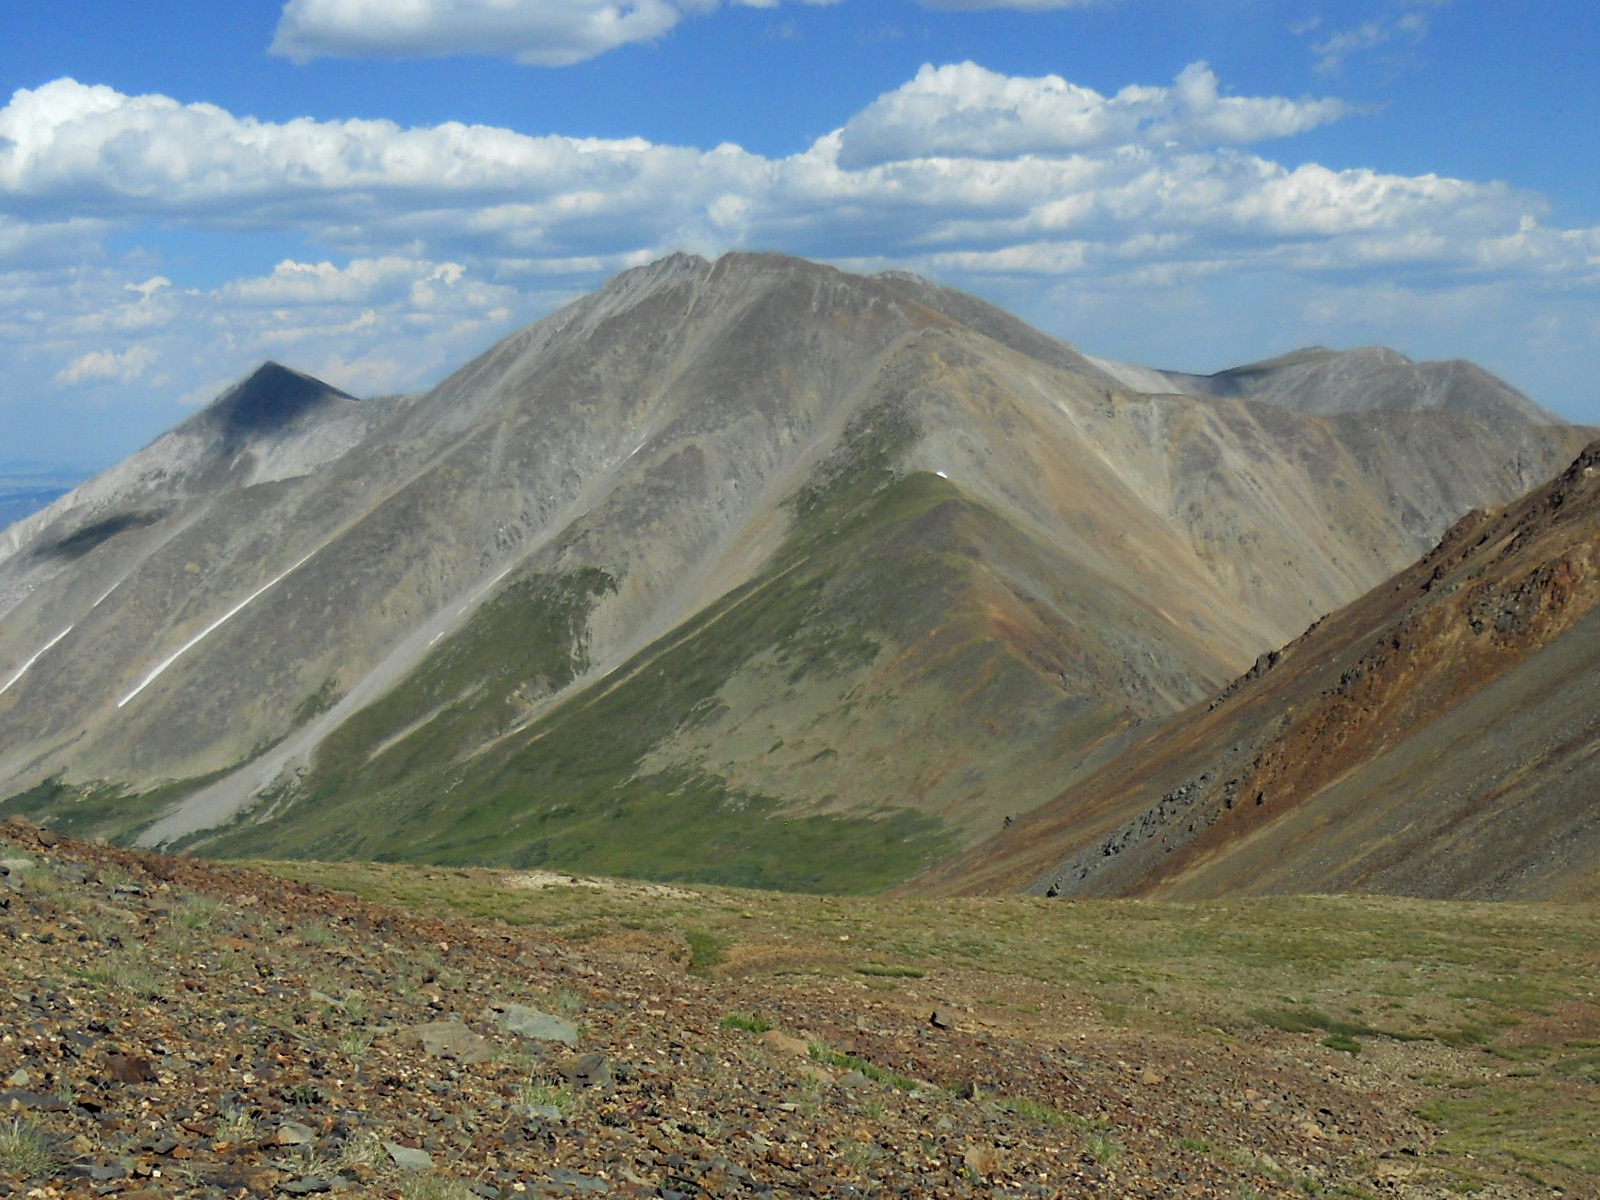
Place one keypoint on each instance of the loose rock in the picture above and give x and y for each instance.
(534, 1025)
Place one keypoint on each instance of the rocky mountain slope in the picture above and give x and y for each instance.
(751, 570)
(1327, 382)
(179, 1028)
(26, 489)
(1436, 738)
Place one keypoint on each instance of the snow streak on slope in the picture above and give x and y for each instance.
(209, 630)
(23, 669)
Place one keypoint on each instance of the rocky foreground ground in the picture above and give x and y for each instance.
(173, 1027)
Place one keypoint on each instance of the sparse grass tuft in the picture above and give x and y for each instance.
(705, 951)
(1310, 1020)
(196, 912)
(1043, 1114)
(435, 1187)
(747, 1022)
(26, 1150)
(849, 1062)
(303, 1093)
(129, 973)
(237, 1127)
(859, 1155)
(1102, 1148)
(363, 1149)
(563, 1002)
(538, 1094)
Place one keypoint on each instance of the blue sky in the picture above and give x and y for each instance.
(374, 191)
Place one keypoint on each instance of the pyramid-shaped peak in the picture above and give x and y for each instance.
(270, 398)
(273, 394)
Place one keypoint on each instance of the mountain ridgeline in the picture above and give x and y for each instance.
(748, 571)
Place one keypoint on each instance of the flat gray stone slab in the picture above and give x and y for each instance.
(534, 1025)
(450, 1039)
(408, 1159)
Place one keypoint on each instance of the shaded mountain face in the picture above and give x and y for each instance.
(1436, 738)
(266, 406)
(748, 570)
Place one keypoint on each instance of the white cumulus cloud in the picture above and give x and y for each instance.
(426, 243)
(543, 33)
(101, 365)
(546, 33)
(966, 111)
(959, 159)
(133, 154)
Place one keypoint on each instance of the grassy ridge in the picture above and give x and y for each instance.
(408, 778)
(567, 790)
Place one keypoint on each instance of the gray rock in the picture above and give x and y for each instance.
(36, 1101)
(563, 1177)
(310, 1185)
(534, 1025)
(408, 1159)
(292, 1133)
(543, 1112)
(13, 871)
(450, 1039)
(588, 1070)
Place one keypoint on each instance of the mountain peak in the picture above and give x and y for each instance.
(1323, 382)
(719, 542)
(269, 400)
(271, 396)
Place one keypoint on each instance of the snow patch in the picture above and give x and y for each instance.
(208, 631)
(23, 669)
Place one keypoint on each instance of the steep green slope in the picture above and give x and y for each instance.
(410, 775)
(889, 591)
